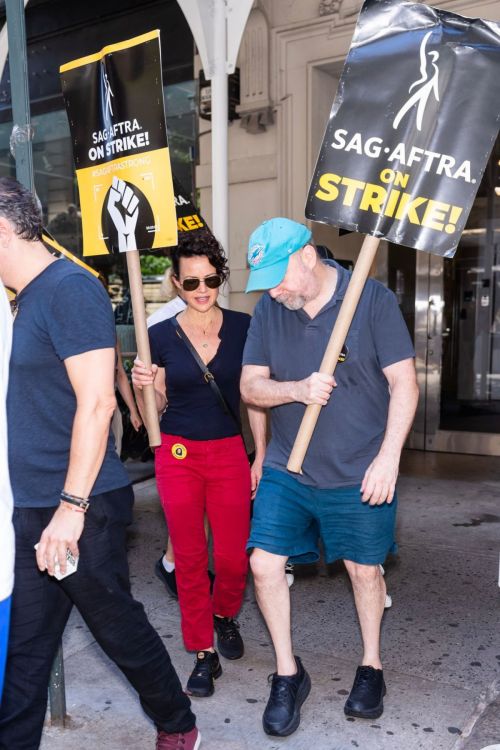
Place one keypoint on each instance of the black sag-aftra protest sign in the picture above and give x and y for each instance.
(412, 125)
(188, 218)
(114, 101)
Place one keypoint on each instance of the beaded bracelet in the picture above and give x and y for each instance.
(73, 507)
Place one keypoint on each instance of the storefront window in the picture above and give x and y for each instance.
(180, 106)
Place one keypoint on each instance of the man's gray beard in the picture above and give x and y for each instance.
(291, 303)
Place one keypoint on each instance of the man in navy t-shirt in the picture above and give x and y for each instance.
(72, 497)
(346, 492)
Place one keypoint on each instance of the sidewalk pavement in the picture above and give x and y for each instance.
(441, 639)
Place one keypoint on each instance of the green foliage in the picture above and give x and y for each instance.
(127, 365)
(154, 265)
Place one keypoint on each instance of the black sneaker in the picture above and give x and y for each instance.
(366, 699)
(229, 640)
(167, 578)
(282, 714)
(206, 669)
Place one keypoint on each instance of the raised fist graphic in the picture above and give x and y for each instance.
(123, 207)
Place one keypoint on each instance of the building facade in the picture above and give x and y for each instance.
(290, 61)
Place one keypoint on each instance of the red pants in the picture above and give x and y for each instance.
(195, 477)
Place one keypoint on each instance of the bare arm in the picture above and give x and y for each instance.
(91, 375)
(379, 482)
(258, 389)
(258, 424)
(123, 385)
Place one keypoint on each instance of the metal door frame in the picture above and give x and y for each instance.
(426, 434)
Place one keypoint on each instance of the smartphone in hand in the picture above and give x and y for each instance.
(71, 565)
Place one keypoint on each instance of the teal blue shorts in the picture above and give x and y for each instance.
(289, 518)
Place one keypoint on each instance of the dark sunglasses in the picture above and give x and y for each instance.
(191, 283)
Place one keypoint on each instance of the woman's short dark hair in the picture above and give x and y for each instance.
(20, 207)
(199, 243)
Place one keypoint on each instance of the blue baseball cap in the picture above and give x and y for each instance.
(269, 250)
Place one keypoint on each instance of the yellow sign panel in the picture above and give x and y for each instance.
(103, 192)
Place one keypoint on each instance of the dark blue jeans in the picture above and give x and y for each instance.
(100, 589)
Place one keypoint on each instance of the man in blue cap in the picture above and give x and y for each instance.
(346, 492)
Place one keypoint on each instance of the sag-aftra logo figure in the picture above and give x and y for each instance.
(427, 84)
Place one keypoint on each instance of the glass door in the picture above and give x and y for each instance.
(457, 334)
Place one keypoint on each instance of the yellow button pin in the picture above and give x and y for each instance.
(179, 451)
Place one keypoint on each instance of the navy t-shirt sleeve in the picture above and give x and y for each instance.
(390, 332)
(81, 317)
(255, 351)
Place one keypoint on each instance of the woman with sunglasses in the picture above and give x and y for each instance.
(201, 465)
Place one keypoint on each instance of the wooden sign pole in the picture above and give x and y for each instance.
(334, 347)
(143, 351)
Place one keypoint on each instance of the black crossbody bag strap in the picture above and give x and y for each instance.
(207, 375)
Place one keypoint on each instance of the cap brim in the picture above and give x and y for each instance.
(267, 277)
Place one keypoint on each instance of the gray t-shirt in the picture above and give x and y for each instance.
(351, 427)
